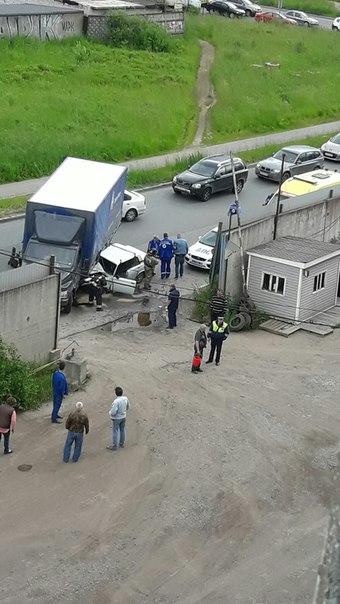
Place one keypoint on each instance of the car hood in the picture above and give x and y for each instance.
(201, 250)
(118, 253)
(332, 147)
(190, 177)
(271, 163)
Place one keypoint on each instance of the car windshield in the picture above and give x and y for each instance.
(204, 168)
(302, 15)
(290, 156)
(336, 139)
(209, 238)
(65, 257)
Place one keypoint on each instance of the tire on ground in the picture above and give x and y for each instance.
(237, 322)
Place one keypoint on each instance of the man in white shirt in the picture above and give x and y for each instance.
(117, 414)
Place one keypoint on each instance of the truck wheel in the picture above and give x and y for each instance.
(130, 215)
(237, 322)
(67, 309)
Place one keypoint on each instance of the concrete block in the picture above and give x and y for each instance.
(54, 355)
(76, 371)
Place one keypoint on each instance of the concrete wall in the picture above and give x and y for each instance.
(95, 26)
(44, 27)
(29, 311)
(320, 222)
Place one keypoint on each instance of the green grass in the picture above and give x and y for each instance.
(12, 205)
(316, 7)
(304, 90)
(76, 97)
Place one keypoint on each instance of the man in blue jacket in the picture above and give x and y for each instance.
(165, 253)
(180, 249)
(173, 301)
(153, 244)
(60, 389)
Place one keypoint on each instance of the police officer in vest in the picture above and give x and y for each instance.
(218, 332)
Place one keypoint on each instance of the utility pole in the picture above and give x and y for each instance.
(276, 217)
(243, 270)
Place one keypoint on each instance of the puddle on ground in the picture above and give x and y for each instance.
(136, 320)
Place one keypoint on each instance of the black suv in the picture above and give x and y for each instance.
(222, 7)
(211, 175)
(249, 7)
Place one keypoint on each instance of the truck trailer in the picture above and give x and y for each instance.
(73, 217)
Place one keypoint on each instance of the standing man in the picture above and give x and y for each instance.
(200, 344)
(173, 301)
(165, 252)
(180, 249)
(218, 306)
(96, 284)
(76, 423)
(60, 389)
(218, 332)
(154, 244)
(8, 418)
(117, 414)
(150, 263)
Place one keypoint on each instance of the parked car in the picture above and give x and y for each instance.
(211, 175)
(269, 16)
(298, 159)
(301, 18)
(336, 24)
(222, 7)
(200, 253)
(123, 267)
(249, 7)
(134, 205)
(331, 149)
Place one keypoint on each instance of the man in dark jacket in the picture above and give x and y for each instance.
(7, 422)
(153, 244)
(165, 252)
(96, 285)
(173, 301)
(218, 332)
(76, 423)
(150, 263)
(60, 389)
(218, 306)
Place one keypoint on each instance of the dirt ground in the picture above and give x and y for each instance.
(220, 496)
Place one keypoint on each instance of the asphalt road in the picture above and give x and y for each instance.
(173, 214)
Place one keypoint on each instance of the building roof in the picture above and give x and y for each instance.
(17, 10)
(295, 250)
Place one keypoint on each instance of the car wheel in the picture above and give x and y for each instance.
(239, 186)
(130, 215)
(140, 277)
(206, 194)
(285, 176)
(231, 16)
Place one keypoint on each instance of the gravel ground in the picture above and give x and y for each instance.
(220, 496)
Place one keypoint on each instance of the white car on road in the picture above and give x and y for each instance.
(331, 149)
(133, 206)
(200, 253)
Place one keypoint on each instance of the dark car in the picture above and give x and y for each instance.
(211, 175)
(249, 8)
(227, 9)
(269, 16)
(301, 18)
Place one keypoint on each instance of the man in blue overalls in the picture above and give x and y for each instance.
(60, 389)
(165, 253)
(173, 301)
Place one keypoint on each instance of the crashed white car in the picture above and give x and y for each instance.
(200, 253)
(123, 267)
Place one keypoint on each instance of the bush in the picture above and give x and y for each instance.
(136, 33)
(17, 379)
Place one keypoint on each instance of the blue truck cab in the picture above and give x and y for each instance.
(73, 217)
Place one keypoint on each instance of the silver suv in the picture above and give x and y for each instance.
(298, 159)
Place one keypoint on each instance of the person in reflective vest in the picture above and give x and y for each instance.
(218, 332)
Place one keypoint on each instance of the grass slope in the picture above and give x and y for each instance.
(305, 89)
(80, 98)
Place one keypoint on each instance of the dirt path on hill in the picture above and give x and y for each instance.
(205, 93)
